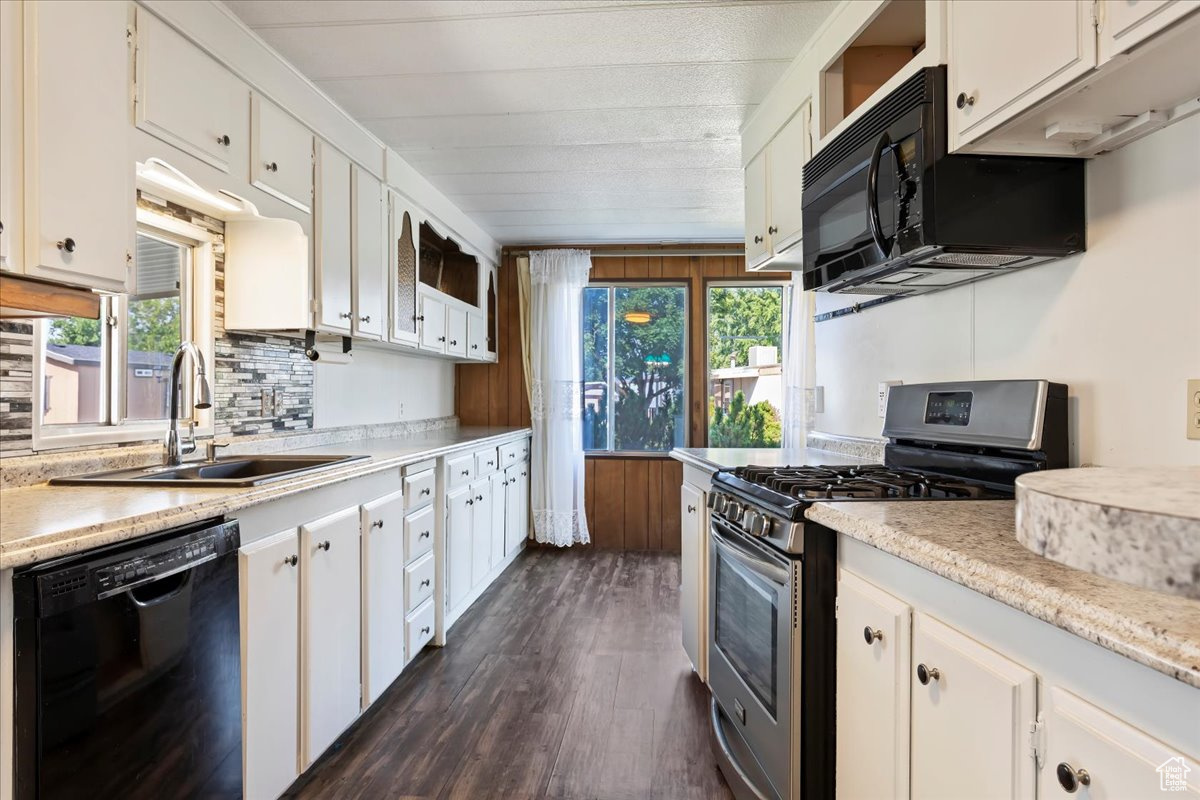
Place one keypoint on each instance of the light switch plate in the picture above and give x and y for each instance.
(1193, 409)
(884, 388)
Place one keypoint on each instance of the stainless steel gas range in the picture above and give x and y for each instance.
(773, 575)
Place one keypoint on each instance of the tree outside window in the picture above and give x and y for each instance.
(745, 338)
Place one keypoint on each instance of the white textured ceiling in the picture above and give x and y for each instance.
(556, 121)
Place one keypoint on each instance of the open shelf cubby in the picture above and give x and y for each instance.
(445, 267)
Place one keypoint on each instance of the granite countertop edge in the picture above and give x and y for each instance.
(224, 500)
(1174, 655)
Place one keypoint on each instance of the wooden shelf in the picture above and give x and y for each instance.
(22, 298)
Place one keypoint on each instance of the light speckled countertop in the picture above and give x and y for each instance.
(974, 544)
(715, 458)
(42, 521)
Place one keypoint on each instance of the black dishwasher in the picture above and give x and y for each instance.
(128, 670)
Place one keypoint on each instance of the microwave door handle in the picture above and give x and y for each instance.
(752, 562)
(873, 194)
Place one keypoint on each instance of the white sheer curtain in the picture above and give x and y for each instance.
(799, 374)
(551, 312)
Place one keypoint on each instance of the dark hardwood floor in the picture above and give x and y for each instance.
(566, 679)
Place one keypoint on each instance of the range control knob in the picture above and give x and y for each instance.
(760, 525)
(717, 502)
(733, 511)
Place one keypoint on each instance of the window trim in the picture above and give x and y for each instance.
(199, 292)
(627, 283)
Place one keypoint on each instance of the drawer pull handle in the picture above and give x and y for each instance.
(873, 635)
(292, 560)
(425, 491)
(424, 583)
(1070, 779)
(324, 546)
(926, 674)
(377, 523)
(466, 472)
(424, 535)
(425, 630)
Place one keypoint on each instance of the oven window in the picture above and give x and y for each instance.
(747, 627)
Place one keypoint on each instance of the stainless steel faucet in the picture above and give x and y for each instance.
(172, 449)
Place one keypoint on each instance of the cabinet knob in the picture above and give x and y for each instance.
(425, 630)
(441, 338)
(691, 509)
(773, 230)
(454, 342)
(424, 583)
(964, 100)
(1070, 779)
(425, 490)
(424, 535)
(758, 240)
(344, 315)
(67, 244)
(417, 318)
(377, 523)
(873, 635)
(523, 474)
(470, 501)
(223, 140)
(292, 561)
(324, 545)
(475, 347)
(466, 472)
(271, 166)
(479, 497)
(366, 320)
(926, 674)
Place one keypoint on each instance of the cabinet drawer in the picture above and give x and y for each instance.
(485, 462)
(460, 470)
(418, 582)
(418, 533)
(418, 628)
(510, 454)
(418, 489)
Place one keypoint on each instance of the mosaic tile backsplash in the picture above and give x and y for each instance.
(245, 366)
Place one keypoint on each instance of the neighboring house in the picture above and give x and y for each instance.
(761, 380)
(72, 384)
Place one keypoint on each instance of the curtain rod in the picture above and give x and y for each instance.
(737, 251)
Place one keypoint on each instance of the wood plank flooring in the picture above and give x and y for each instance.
(565, 680)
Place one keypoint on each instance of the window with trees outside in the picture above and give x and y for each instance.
(634, 367)
(109, 378)
(745, 372)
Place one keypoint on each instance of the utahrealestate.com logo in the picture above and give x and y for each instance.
(1172, 775)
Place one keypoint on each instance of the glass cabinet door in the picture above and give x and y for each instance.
(403, 256)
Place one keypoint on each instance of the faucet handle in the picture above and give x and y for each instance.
(210, 449)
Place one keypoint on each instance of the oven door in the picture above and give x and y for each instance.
(752, 645)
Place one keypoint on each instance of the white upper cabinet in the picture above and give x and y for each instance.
(433, 323)
(188, 100)
(332, 247)
(1128, 23)
(403, 224)
(11, 220)
(370, 256)
(477, 337)
(758, 249)
(281, 154)
(874, 634)
(456, 331)
(790, 150)
(79, 194)
(1004, 57)
(972, 713)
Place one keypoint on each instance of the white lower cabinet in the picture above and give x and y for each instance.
(481, 530)
(692, 605)
(418, 628)
(383, 558)
(874, 638)
(458, 546)
(516, 507)
(330, 605)
(418, 582)
(269, 580)
(1103, 758)
(972, 711)
(499, 481)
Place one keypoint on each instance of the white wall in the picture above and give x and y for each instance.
(382, 386)
(1120, 324)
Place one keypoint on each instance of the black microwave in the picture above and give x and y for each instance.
(888, 212)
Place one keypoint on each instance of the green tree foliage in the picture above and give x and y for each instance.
(74, 330)
(739, 318)
(648, 372)
(744, 425)
(154, 325)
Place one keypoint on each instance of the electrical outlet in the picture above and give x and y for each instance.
(818, 400)
(884, 388)
(1193, 409)
(266, 404)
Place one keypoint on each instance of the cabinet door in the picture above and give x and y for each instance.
(370, 260)
(456, 331)
(188, 100)
(402, 270)
(516, 508)
(481, 534)
(499, 483)
(330, 618)
(269, 585)
(691, 562)
(874, 632)
(281, 154)
(970, 720)
(79, 195)
(332, 247)
(11, 220)
(995, 86)
(1119, 760)
(758, 248)
(477, 338)
(433, 324)
(383, 534)
(1128, 23)
(790, 150)
(458, 546)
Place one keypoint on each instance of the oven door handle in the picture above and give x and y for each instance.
(750, 559)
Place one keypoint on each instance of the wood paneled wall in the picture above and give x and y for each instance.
(632, 503)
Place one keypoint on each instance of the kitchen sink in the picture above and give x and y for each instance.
(231, 471)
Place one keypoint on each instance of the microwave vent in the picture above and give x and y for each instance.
(877, 289)
(974, 260)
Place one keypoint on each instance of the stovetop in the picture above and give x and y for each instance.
(862, 482)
